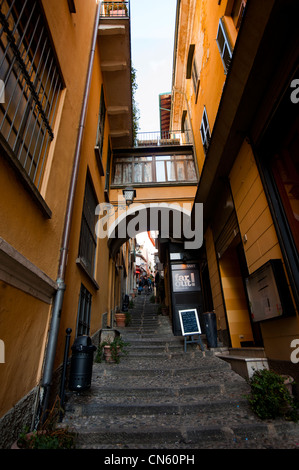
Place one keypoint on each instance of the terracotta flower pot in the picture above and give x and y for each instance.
(108, 354)
(120, 319)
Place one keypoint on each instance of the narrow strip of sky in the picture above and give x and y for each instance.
(152, 39)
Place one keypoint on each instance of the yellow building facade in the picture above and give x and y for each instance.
(222, 91)
(66, 107)
(67, 152)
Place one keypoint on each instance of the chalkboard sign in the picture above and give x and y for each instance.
(189, 322)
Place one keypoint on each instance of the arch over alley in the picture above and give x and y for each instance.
(172, 221)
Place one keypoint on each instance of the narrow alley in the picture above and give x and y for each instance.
(214, 188)
(159, 397)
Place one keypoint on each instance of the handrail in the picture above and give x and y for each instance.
(115, 9)
(158, 138)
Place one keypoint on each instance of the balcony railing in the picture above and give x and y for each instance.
(115, 10)
(153, 139)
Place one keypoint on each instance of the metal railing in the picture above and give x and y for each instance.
(33, 82)
(115, 10)
(158, 138)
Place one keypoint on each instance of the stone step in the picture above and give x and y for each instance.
(159, 397)
(117, 411)
(180, 365)
(94, 435)
(175, 354)
(151, 342)
(119, 394)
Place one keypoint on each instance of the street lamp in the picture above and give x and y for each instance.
(129, 195)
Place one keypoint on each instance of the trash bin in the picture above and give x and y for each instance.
(125, 304)
(211, 328)
(81, 363)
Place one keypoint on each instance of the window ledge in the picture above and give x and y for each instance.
(80, 263)
(155, 184)
(99, 160)
(19, 272)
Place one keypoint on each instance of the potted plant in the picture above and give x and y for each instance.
(48, 436)
(270, 398)
(118, 9)
(112, 349)
(39, 439)
(128, 319)
(120, 318)
(164, 310)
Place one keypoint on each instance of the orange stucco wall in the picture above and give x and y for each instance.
(24, 320)
(255, 221)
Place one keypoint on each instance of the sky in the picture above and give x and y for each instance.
(152, 40)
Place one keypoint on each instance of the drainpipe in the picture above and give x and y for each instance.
(58, 300)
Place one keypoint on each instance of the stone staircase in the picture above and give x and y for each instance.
(159, 397)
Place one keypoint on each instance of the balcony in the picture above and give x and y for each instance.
(115, 9)
(163, 164)
(115, 58)
(164, 138)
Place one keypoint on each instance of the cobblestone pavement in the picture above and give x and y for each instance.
(159, 397)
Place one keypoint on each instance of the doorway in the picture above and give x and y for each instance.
(233, 271)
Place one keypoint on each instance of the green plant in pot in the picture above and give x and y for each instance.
(48, 435)
(55, 439)
(128, 319)
(270, 398)
(112, 349)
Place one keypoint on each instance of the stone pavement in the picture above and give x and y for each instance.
(159, 397)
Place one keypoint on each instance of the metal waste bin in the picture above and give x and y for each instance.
(81, 363)
(125, 304)
(210, 328)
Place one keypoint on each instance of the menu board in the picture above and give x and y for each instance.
(189, 322)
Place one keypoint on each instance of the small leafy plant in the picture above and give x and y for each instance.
(128, 319)
(270, 398)
(117, 346)
(55, 439)
(48, 436)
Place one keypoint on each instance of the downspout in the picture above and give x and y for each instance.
(58, 300)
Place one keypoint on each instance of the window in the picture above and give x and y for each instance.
(285, 169)
(84, 309)
(238, 12)
(100, 133)
(279, 165)
(224, 45)
(195, 79)
(205, 131)
(107, 178)
(190, 61)
(32, 81)
(88, 241)
(72, 6)
(185, 128)
(154, 169)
